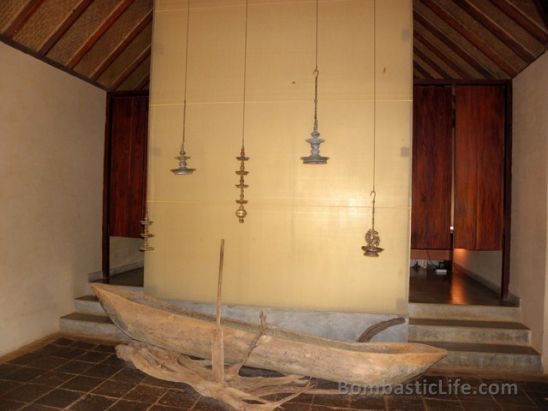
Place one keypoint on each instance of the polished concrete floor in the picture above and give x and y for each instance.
(133, 278)
(455, 288)
(78, 375)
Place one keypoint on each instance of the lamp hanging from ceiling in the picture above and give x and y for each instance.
(372, 238)
(183, 168)
(315, 140)
(241, 212)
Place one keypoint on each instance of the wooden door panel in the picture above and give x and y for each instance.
(432, 157)
(479, 162)
(128, 148)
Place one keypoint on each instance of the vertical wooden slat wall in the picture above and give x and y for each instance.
(479, 167)
(432, 168)
(128, 148)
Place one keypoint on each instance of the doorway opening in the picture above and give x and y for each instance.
(460, 225)
(124, 191)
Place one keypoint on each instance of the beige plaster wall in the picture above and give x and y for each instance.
(487, 265)
(51, 156)
(124, 252)
(528, 278)
(300, 244)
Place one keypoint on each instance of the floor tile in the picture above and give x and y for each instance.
(129, 375)
(116, 389)
(6, 386)
(145, 393)
(90, 402)
(38, 407)
(47, 362)
(363, 402)
(8, 405)
(59, 398)
(295, 406)
(405, 403)
(52, 379)
(84, 345)
(70, 353)
(75, 367)
(101, 371)
(176, 398)
(164, 408)
(209, 404)
(123, 405)
(148, 380)
(27, 392)
(82, 383)
(332, 400)
(94, 357)
(6, 369)
(24, 374)
(479, 405)
(442, 405)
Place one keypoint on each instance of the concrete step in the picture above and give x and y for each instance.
(468, 331)
(89, 325)
(89, 304)
(465, 312)
(488, 358)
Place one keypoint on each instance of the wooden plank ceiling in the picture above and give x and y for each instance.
(108, 42)
(477, 39)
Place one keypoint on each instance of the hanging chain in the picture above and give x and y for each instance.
(186, 69)
(315, 140)
(316, 71)
(372, 238)
(241, 212)
(183, 169)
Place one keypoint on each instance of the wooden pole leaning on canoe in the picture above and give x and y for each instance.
(218, 353)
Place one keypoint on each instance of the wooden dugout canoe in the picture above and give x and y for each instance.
(174, 328)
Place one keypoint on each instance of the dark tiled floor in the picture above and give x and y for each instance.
(82, 376)
(454, 288)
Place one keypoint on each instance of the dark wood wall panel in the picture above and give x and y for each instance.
(479, 167)
(128, 151)
(432, 174)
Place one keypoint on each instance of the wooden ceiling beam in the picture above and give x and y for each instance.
(491, 25)
(470, 37)
(52, 40)
(22, 17)
(454, 47)
(542, 10)
(421, 70)
(96, 35)
(431, 63)
(522, 19)
(446, 59)
(130, 69)
(122, 46)
(143, 84)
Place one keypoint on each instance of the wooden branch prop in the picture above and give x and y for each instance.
(217, 354)
(223, 383)
(374, 329)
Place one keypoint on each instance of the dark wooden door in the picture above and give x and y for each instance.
(128, 154)
(432, 168)
(479, 167)
(125, 170)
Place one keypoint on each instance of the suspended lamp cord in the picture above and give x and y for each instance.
(245, 74)
(373, 191)
(186, 70)
(316, 70)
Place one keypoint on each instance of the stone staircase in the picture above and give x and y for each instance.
(478, 338)
(90, 320)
